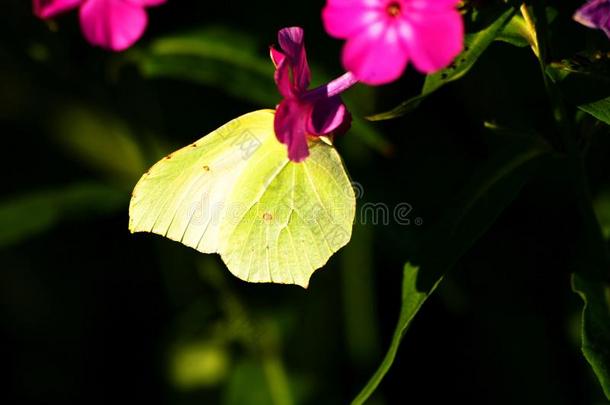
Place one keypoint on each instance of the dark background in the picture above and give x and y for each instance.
(92, 314)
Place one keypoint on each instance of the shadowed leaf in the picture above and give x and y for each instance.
(474, 46)
(470, 215)
(28, 215)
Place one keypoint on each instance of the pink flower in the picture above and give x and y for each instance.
(383, 35)
(305, 113)
(110, 24)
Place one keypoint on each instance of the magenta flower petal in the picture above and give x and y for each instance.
(283, 74)
(435, 41)
(147, 3)
(292, 43)
(329, 115)
(276, 56)
(349, 18)
(383, 35)
(376, 56)
(595, 14)
(50, 8)
(290, 123)
(303, 113)
(432, 5)
(112, 24)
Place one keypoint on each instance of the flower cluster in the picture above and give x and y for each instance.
(382, 36)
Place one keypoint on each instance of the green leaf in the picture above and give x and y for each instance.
(474, 210)
(234, 192)
(412, 301)
(474, 46)
(601, 206)
(591, 282)
(248, 386)
(214, 57)
(31, 214)
(257, 382)
(234, 63)
(516, 33)
(599, 109)
(595, 326)
(100, 140)
(585, 82)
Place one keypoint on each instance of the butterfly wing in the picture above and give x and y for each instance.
(234, 192)
(295, 222)
(183, 197)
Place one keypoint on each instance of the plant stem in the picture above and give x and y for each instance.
(259, 338)
(596, 244)
(276, 379)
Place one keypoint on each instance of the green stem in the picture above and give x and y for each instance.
(383, 369)
(259, 339)
(413, 297)
(596, 246)
(276, 379)
(407, 314)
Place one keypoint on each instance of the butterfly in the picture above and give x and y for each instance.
(235, 192)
